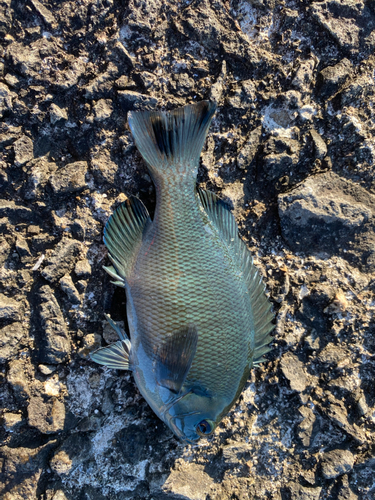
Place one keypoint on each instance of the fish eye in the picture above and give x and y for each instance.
(205, 427)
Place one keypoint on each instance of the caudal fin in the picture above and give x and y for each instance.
(174, 138)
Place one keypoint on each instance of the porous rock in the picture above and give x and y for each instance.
(55, 343)
(63, 259)
(69, 179)
(330, 215)
(336, 463)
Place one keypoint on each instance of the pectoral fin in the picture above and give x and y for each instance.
(174, 358)
(114, 356)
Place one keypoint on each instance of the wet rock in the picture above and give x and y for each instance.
(10, 337)
(331, 78)
(63, 259)
(47, 416)
(293, 370)
(67, 286)
(69, 179)
(189, 481)
(55, 343)
(57, 115)
(23, 150)
(336, 463)
(330, 215)
(10, 309)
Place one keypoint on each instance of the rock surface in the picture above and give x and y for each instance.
(292, 145)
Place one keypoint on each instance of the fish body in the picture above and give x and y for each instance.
(197, 312)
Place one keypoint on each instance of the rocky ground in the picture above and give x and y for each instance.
(292, 147)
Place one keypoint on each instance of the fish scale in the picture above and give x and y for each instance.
(197, 312)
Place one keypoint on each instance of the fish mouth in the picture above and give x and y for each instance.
(170, 420)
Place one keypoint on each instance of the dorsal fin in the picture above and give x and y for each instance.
(122, 236)
(221, 216)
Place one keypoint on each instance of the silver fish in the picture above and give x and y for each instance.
(197, 312)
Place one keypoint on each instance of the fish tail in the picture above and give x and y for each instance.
(172, 140)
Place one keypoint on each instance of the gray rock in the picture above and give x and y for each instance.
(17, 378)
(249, 149)
(319, 144)
(67, 286)
(189, 481)
(103, 110)
(14, 211)
(336, 463)
(63, 259)
(6, 99)
(57, 114)
(298, 492)
(293, 370)
(47, 416)
(10, 337)
(6, 14)
(69, 179)
(10, 309)
(23, 150)
(46, 14)
(331, 78)
(73, 452)
(11, 421)
(135, 100)
(23, 249)
(83, 269)
(55, 344)
(305, 428)
(333, 354)
(4, 250)
(233, 453)
(330, 215)
(39, 170)
(340, 23)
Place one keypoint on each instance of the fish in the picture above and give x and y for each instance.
(198, 315)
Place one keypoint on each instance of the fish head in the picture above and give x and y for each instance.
(193, 415)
